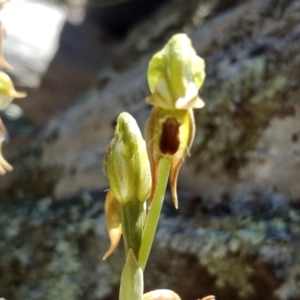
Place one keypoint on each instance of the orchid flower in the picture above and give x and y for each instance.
(175, 75)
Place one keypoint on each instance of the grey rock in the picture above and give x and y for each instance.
(33, 30)
(244, 134)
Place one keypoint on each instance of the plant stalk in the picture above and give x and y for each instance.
(132, 226)
(154, 211)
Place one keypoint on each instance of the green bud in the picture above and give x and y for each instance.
(126, 162)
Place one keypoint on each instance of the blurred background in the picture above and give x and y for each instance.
(236, 234)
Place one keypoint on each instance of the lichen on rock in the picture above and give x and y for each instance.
(251, 243)
(49, 250)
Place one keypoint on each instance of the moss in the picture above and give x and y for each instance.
(171, 18)
(31, 176)
(291, 288)
(50, 249)
(47, 247)
(237, 112)
(245, 249)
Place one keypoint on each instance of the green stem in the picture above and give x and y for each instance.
(154, 211)
(132, 226)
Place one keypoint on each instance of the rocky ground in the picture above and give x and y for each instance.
(246, 248)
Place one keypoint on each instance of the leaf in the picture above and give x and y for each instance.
(132, 283)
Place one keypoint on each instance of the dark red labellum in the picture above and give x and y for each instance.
(169, 140)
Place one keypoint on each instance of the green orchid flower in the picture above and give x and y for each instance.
(175, 75)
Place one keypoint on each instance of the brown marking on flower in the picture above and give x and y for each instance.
(169, 140)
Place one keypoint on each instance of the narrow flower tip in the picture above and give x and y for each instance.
(16, 94)
(115, 237)
(175, 75)
(4, 165)
(113, 222)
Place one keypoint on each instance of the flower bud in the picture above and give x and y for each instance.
(126, 162)
(7, 91)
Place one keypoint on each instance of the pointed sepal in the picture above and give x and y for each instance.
(113, 221)
(186, 136)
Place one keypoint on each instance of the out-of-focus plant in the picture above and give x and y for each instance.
(137, 172)
(3, 63)
(7, 94)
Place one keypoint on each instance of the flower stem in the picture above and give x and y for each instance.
(132, 226)
(154, 211)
